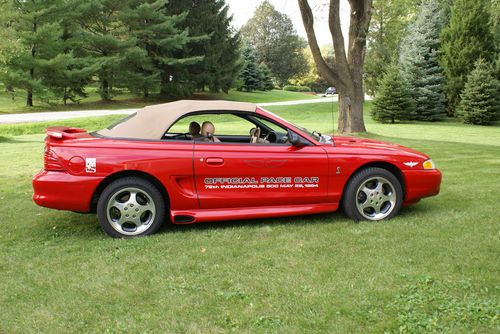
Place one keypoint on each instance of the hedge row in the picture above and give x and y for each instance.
(291, 88)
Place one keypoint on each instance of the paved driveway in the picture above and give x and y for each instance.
(62, 115)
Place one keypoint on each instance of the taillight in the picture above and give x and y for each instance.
(52, 161)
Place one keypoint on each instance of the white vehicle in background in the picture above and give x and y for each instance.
(330, 91)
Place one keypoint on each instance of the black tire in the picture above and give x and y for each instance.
(354, 198)
(148, 197)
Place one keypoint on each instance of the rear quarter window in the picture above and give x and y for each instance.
(225, 124)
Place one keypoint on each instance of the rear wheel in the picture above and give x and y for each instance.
(373, 194)
(130, 207)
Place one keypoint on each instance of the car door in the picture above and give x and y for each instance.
(231, 175)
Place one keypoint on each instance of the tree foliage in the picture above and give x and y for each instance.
(155, 36)
(160, 37)
(387, 28)
(467, 38)
(276, 42)
(251, 76)
(312, 78)
(480, 100)
(39, 46)
(104, 39)
(10, 45)
(265, 77)
(419, 61)
(394, 101)
(209, 22)
(172, 47)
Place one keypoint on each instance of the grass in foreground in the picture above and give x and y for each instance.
(125, 100)
(433, 268)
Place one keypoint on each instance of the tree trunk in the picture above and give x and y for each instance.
(10, 89)
(145, 93)
(351, 110)
(356, 118)
(105, 90)
(163, 85)
(343, 124)
(29, 95)
(29, 98)
(65, 96)
(346, 74)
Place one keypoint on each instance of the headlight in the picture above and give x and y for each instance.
(428, 164)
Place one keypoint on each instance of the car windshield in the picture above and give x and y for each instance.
(314, 134)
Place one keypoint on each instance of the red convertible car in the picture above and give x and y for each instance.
(201, 161)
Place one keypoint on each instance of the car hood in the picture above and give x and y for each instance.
(375, 146)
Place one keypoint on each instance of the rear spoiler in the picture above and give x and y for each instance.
(63, 132)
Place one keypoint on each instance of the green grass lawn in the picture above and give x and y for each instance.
(434, 268)
(125, 100)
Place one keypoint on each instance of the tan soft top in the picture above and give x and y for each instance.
(151, 122)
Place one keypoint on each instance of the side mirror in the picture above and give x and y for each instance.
(296, 140)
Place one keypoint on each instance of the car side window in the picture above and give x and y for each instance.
(227, 128)
(225, 124)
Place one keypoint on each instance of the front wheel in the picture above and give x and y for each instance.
(130, 207)
(373, 194)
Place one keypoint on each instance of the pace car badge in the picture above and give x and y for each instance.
(90, 165)
(410, 163)
(263, 182)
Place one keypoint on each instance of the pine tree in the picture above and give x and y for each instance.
(480, 100)
(249, 78)
(467, 38)
(105, 40)
(495, 31)
(209, 23)
(394, 101)
(70, 72)
(419, 61)
(39, 44)
(9, 43)
(265, 77)
(158, 38)
(387, 28)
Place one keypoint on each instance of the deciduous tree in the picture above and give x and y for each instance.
(347, 70)
(276, 42)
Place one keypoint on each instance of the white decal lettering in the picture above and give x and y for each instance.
(90, 165)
